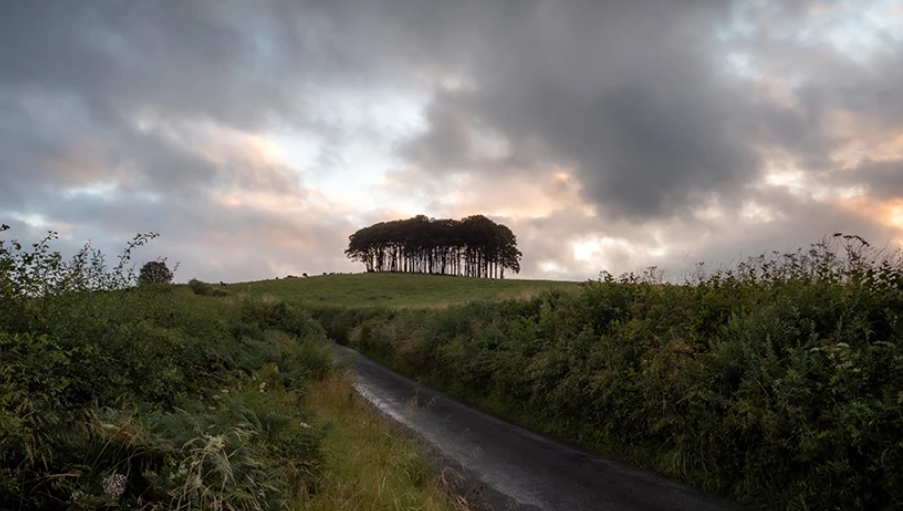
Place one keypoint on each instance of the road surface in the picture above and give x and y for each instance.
(520, 469)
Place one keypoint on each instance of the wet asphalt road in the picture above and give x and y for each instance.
(522, 469)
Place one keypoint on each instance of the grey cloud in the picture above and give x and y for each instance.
(718, 244)
(231, 63)
(76, 79)
(203, 230)
(635, 96)
(447, 144)
(161, 166)
(183, 58)
(809, 223)
(105, 62)
(620, 91)
(881, 179)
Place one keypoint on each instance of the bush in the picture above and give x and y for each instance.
(204, 289)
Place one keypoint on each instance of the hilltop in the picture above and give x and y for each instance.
(396, 289)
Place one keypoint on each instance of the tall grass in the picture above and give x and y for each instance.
(370, 463)
(778, 382)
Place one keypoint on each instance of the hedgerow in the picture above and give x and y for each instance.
(778, 382)
(114, 394)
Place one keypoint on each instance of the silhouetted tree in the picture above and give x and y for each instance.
(474, 247)
(155, 272)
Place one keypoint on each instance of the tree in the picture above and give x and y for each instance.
(155, 272)
(473, 247)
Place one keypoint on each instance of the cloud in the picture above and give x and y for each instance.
(125, 118)
(641, 100)
(180, 59)
(881, 180)
(608, 134)
(624, 93)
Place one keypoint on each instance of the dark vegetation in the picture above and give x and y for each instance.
(472, 247)
(153, 396)
(155, 272)
(204, 289)
(778, 382)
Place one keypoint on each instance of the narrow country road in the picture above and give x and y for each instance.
(522, 469)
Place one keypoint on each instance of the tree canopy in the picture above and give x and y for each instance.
(155, 272)
(474, 246)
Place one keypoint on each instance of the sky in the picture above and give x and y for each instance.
(255, 137)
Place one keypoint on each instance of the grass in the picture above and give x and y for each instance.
(369, 463)
(396, 290)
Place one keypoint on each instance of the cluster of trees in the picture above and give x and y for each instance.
(472, 247)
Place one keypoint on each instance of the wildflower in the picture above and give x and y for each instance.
(214, 443)
(114, 486)
(77, 497)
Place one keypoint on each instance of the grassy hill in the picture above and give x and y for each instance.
(396, 290)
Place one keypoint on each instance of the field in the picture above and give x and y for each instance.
(396, 290)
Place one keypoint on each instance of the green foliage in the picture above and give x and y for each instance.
(204, 289)
(155, 272)
(778, 382)
(113, 394)
(338, 323)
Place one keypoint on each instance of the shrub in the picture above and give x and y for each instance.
(204, 289)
